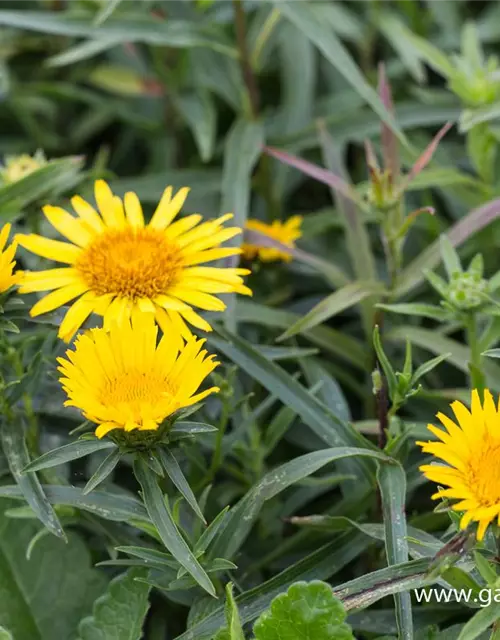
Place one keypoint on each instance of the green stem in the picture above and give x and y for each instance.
(246, 68)
(476, 374)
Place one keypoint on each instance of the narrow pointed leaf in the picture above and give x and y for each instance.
(425, 157)
(417, 309)
(175, 474)
(14, 448)
(318, 173)
(183, 429)
(242, 516)
(68, 452)
(103, 470)
(450, 257)
(333, 304)
(308, 18)
(387, 367)
(152, 556)
(480, 622)
(390, 150)
(169, 533)
(392, 483)
(210, 532)
(429, 366)
(330, 428)
(111, 506)
(470, 224)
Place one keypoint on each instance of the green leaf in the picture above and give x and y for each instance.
(428, 366)
(152, 556)
(167, 529)
(319, 565)
(68, 452)
(450, 257)
(54, 176)
(103, 470)
(417, 309)
(82, 51)
(391, 26)
(428, 52)
(5, 634)
(480, 622)
(330, 340)
(183, 429)
(330, 428)
(392, 483)
(305, 611)
(175, 474)
(119, 614)
(210, 532)
(244, 514)
(130, 28)
(45, 597)
(14, 448)
(307, 17)
(198, 111)
(106, 11)
(111, 506)
(358, 240)
(333, 304)
(234, 630)
(428, 259)
(387, 367)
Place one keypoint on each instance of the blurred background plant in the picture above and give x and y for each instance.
(377, 124)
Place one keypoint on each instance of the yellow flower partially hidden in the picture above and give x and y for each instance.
(471, 453)
(7, 262)
(284, 232)
(122, 379)
(18, 167)
(119, 266)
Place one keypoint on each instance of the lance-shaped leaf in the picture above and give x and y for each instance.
(184, 429)
(111, 506)
(390, 150)
(470, 224)
(14, 448)
(425, 157)
(333, 304)
(152, 556)
(167, 529)
(68, 452)
(387, 367)
(318, 173)
(175, 474)
(103, 470)
(234, 630)
(417, 309)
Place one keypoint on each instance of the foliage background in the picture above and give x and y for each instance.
(188, 93)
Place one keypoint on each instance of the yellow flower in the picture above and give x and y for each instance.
(7, 262)
(119, 266)
(18, 167)
(471, 453)
(284, 232)
(122, 379)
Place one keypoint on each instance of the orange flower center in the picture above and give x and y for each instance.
(132, 263)
(482, 473)
(135, 388)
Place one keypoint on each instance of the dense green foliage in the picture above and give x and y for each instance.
(304, 465)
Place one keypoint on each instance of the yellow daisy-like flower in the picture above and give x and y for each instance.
(284, 232)
(18, 167)
(7, 262)
(119, 266)
(471, 453)
(122, 379)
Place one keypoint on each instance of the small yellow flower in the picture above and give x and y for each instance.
(471, 453)
(7, 262)
(18, 167)
(119, 266)
(284, 232)
(122, 379)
